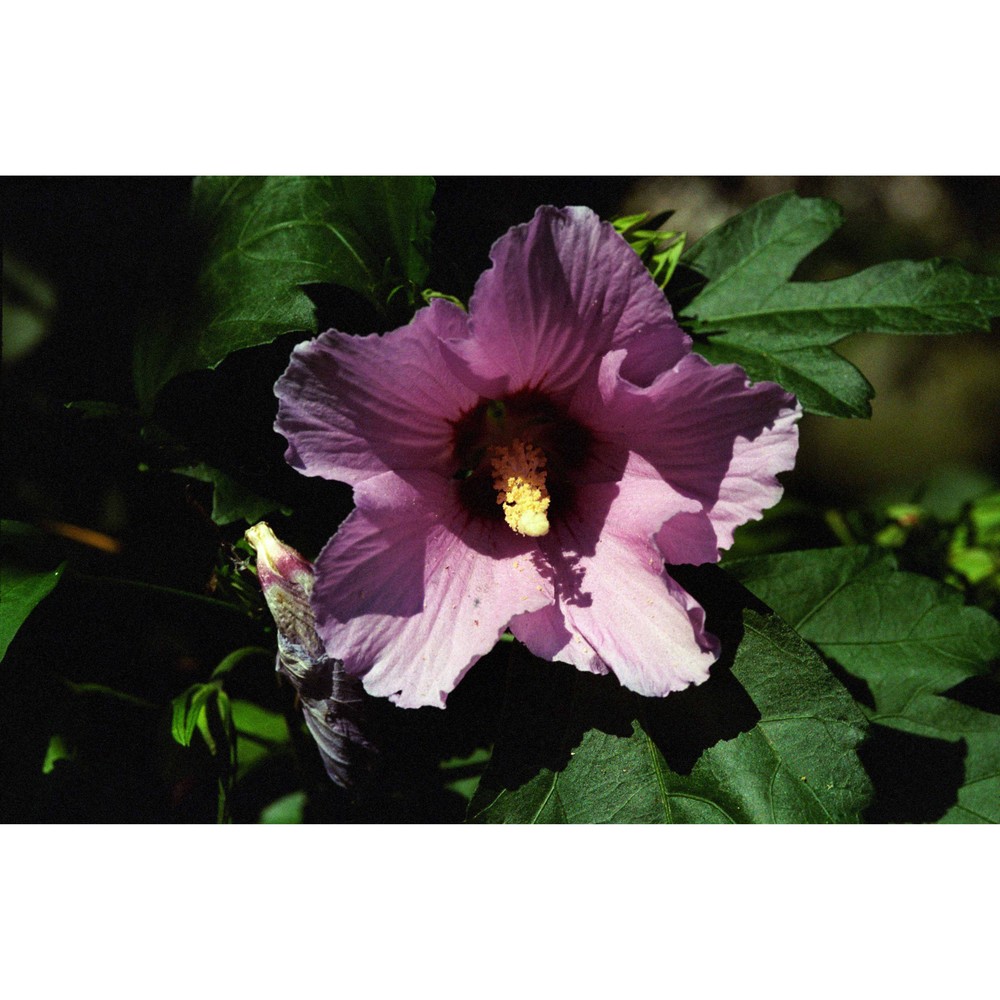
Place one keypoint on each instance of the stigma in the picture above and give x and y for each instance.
(519, 479)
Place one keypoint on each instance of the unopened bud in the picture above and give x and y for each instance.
(333, 702)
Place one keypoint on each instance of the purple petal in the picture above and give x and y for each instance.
(353, 407)
(411, 591)
(563, 289)
(750, 486)
(708, 433)
(616, 609)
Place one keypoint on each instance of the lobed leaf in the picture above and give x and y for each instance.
(266, 237)
(910, 638)
(757, 315)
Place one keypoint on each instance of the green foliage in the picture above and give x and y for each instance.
(57, 750)
(770, 738)
(238, 733)
(266, 237)
(951, 531)
(659, 249)
(230, 501)
(207, 708)
(22, 587)
(258, 731)
(974, 552)
(188, 710)
(911, 639)
(781, 330)
(824, 382)
(288, 809)
(464, 772)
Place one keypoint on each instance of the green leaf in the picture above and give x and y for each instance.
(974, 551)
(750, 259)
(231, 501)
(762, 245)
(824, 382)
(979, 798)
(659, 249)
(259, 724)
(985, 517)
(58, 750)
(258, 731)
(22, 587)
(288, 809)
(749, 302)
(464, 772)
(901, 631)
(188, 709)
(269, 236)
(238, 656)
(207, 708)
(769, 738)
(910, 638)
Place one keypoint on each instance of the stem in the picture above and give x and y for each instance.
(155, 588)
(838, 525)
(236, 656)
(108, 692)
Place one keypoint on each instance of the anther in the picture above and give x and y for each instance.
(519, 479)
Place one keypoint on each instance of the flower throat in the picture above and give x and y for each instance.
(520, 453)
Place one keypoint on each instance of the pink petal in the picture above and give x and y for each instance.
(411, 591)
(708, 433)
(353, 407)
(616, 609)
(750, 486)
(563, 289)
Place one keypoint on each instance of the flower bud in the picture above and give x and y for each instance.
(332, 701)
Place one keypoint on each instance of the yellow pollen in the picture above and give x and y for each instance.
(519, 479)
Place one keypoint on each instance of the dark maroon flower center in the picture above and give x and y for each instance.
(497, 428)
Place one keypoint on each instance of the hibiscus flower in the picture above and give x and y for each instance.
(531, 465)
